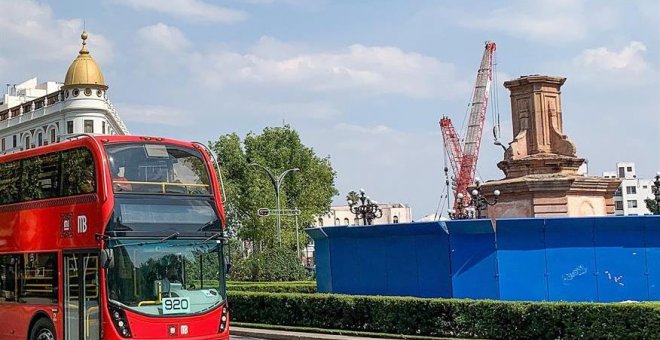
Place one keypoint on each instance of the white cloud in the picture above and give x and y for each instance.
(544, 21)
(629, 58)
(163, 37)
(189, 9)
(152, 114)
(368, 130)
(611, 69)
(370, 70)
(30, 32)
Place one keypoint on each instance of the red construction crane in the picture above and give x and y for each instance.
(463, 159)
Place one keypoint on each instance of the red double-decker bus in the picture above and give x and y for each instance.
(112, 237)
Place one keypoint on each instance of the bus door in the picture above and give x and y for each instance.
(81, 296)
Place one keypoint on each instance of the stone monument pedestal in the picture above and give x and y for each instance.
(540, 164)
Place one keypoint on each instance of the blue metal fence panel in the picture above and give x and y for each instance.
(322, 260)
(359, 266)
(521, 260)
(387, 260)
(434, 274)
(620, 258)
(562, 259)
(571, 260)
(473, 259)
(652, 242)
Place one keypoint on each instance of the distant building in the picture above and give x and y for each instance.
(341, 215)
(34, 114)
(629, 197)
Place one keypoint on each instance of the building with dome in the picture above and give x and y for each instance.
(33, 114)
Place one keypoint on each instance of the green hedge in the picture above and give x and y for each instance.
(449, 317)
(275, 287)
(238, 283)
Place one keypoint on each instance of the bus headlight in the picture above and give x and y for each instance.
(223, 319)
(120, 322)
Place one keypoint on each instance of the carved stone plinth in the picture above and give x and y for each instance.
(552, 195)
(541, 163)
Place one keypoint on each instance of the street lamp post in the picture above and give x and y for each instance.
(463, 210)
(479, 202)
(656, 192)
(367, 210)
(475, 206)
(277, 182)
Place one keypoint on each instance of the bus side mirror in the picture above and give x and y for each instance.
(108, 258)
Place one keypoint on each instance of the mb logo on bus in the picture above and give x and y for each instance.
(82, 224)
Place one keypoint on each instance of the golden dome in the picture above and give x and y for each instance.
(84, 70)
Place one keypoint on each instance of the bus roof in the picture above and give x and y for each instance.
(80, 140)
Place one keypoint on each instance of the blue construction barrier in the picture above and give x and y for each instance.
(600, 259)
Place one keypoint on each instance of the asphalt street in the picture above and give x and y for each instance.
(238, 337)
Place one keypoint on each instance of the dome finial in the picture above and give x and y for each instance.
(83, 36)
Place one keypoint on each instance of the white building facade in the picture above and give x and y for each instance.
(34, 114)
(629, 198)
(342, 216)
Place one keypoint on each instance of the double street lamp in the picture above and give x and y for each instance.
(656, 192)
(277, 183)
(367, 210)
(475, 206)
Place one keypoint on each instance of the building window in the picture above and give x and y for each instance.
(395, 219)
(632, 203)
(69, 127)
(346, 221)
(3, 144)
(617, 192)
(337, 221)
(40, 139)
(14, 141)
(103, 127)
(631, 190)
(618, 205)
(622, 172)
(320, 222)
(89, 126)
(52, 135)
(629, 169)
(27, 143)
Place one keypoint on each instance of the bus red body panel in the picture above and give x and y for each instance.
(55, 233)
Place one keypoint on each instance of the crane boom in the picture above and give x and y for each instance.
(464, 160)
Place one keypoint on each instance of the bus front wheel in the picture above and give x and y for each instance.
(43, 329)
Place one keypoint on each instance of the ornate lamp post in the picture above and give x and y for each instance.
(656, 192)
(479, 202)
(464, 210)
(367, 210)
(277, 183)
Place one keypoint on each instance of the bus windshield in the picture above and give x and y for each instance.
(171, 277)
(157, 169)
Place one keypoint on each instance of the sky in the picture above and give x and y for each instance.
(364, 82)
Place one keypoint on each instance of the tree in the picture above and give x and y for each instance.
(353, 196)
(249, 188)
(652, 205)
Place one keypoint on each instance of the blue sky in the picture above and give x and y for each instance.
(362, 81)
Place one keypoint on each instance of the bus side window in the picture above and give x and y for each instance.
(8, 277)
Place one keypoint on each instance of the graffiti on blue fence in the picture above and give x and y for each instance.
(614, 278)
(578, 271)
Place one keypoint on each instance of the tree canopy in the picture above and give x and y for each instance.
(249, 188)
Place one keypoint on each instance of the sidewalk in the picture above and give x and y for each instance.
(288, 335)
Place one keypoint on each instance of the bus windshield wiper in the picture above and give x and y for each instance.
(166, 238)
(212, 237)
